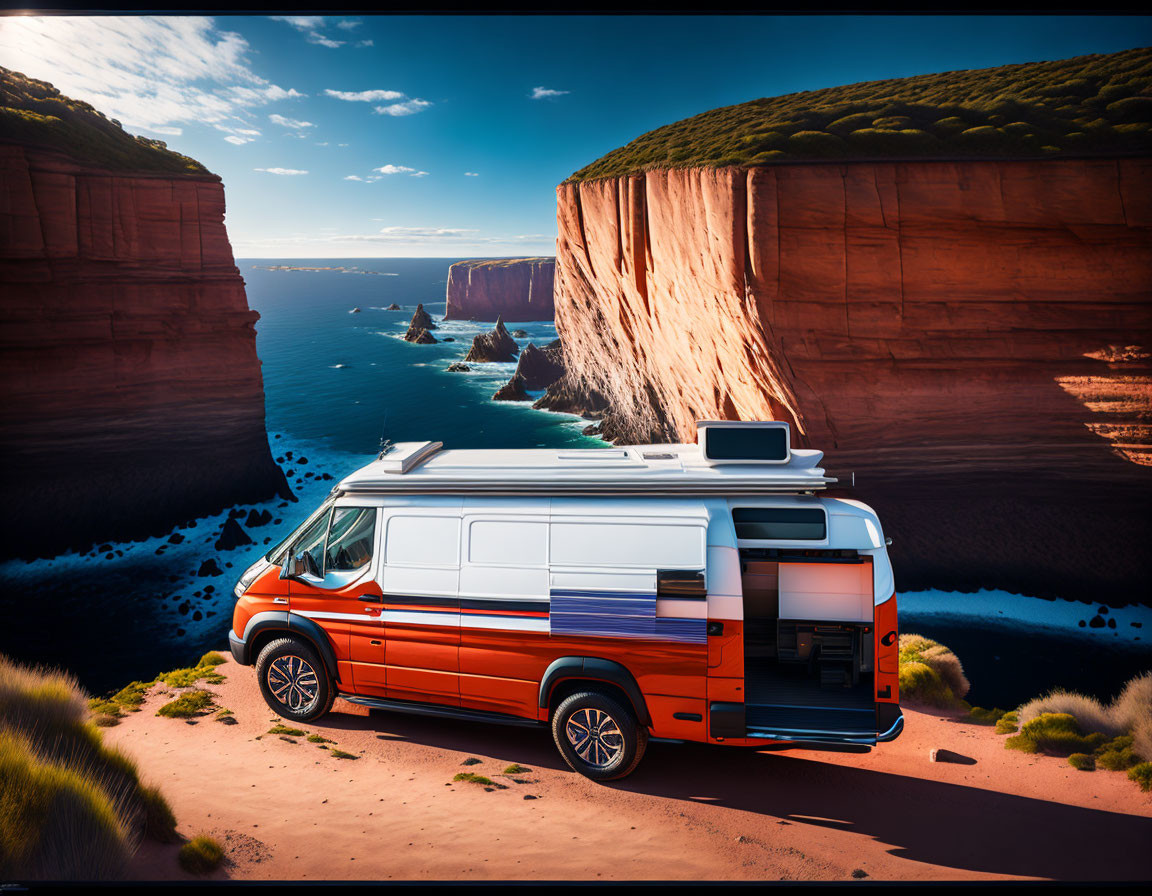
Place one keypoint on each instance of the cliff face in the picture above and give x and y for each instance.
(971, 338)
(517, 289)
(133, 394)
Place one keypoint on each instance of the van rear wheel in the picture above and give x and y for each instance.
(293, 680)
(598, 736)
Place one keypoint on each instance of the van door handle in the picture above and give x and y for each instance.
(371, 598)
(279, 600)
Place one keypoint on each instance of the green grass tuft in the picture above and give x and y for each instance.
(1142, 775)
(212, 658)
(186, 705)
(1054, 733)
(985, 716)
(319, 739)
(473, 778)
(516, 768)
(1082, 762)
(284, 729)
(1006, 725)
(1117, 755)
(471, 760)
(341, 754)
(201, 855)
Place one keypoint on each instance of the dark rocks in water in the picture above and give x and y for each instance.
(354, 311)
(325, 475)
(1096, 622)
(569, 396)
(209, 568)
(520, 334)
(448, 339)
(419, 336)
(232, 536)
(263, 518)
(495, 346)
(458, 367)
(539, 367)
(513, 390)
(422, 320)
(175, 538)
(301, 460)
(393, 307)
(235, 513)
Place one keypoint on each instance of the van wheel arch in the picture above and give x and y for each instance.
(263, 631)
(568, 675)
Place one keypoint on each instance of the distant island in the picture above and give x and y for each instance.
(343, 269)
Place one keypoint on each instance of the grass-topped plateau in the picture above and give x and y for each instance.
(1088, 105)
(34, 112)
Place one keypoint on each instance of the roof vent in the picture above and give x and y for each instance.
(403, 456)
(744, 442)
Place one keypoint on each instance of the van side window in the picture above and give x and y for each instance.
(350, 539)
(780, 523)
(312, 541)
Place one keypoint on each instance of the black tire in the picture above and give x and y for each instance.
(300, 704)
(616, 742)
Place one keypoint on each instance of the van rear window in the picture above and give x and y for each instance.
(780, 523)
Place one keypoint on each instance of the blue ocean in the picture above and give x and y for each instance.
(339, 380)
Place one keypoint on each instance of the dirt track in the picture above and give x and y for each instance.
(290, 810)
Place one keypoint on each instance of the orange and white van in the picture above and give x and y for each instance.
(696, 592)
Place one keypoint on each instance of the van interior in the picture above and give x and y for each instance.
(808, 665)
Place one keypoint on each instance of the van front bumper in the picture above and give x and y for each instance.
(238, 647)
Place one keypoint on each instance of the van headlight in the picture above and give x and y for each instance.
(251, 574)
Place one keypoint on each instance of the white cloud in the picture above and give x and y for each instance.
(349, 24)
(300, 23)
(424, 231)
(315, 37)
(294, 123)
(286, 171)
(400, 169)
(149, 72)
(471, 174)
(356, 177)
(365, 96)
(410, 107)
(236, 140)
(540, 93)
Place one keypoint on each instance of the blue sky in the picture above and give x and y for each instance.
(459, 128)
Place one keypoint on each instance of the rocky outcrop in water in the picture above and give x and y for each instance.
(537, 369)
(971, 338)
(133, 397)
(496, 345)
(512, 288)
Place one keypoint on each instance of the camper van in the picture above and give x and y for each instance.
(696, 592)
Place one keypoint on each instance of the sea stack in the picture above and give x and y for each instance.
(133, 397)
(512, 288)
(495, 345)
(948, 291)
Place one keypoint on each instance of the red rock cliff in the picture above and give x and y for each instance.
(517, 289)
(971, 338)
(133, 397)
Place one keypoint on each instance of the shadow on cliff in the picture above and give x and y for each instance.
(950, 825)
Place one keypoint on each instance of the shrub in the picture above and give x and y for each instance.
(318, 739)
(1090, 714)
(931, 673)
(159, 820)
(1142, 739)
(284, 729)
(516, 768)
(341, 754)
(473, 778)
(186, 705)
(200, 855)
(1082, 762)
(1133, 705)
(816, 144)
(1142, 775)
(1057, 734)
(982, 716)
(1006, 725)
(1117, 754)
(212, 658)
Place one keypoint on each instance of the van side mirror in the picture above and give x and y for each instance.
(299, 564)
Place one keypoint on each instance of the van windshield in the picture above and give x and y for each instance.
(279, 549)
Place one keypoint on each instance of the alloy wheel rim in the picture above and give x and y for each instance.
(293, 682)
(595, 737)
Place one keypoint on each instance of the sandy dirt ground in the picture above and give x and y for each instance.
(285, 809)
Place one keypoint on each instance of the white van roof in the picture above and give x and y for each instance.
(679, 469)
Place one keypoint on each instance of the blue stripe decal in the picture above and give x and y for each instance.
(619, 614)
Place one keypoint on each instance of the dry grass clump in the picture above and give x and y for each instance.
(1142, 775)
(1055, 733)
(1129, 713)
(201, 855)
(930, 673)
(71, 808)
(188, 704)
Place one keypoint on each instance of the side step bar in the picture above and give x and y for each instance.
(792, 735)
(445, 712)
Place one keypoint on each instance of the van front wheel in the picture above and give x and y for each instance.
(293, 680)
(597, 736)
